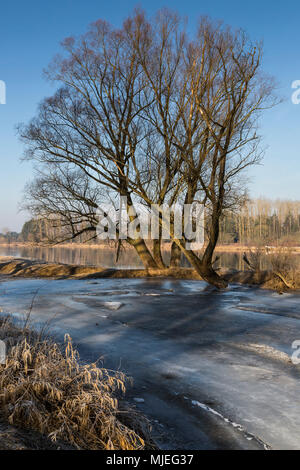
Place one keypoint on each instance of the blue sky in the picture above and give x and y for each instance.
(30, 34)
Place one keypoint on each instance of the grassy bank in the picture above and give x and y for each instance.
(45, 389)
(280, 278)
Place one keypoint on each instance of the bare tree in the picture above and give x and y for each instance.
(92, 122)
(208, 95)
(147, 113)
(7, 234)
(229, 91)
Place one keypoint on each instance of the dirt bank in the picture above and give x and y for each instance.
(12, 438)
(20, 267)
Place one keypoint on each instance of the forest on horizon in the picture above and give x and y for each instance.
(260, 221)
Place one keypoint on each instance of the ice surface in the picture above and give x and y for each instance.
(228, 351)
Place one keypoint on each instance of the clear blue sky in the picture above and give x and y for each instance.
(30, 34)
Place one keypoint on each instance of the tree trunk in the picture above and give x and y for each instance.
(175, 256)
(207, 270)
(157, 254)
(213, 238)
(144, 253)
(139, 243)
(209, 274)
(204, 269)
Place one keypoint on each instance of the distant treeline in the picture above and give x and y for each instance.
(261, 221)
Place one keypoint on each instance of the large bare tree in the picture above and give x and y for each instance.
(208, 96)
(147, 113)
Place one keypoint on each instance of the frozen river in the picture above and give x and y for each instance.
(214, 368)
(106, 258)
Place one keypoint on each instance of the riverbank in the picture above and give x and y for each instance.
(20, 267)
(221, 248)
(59, 402)
(13, 438)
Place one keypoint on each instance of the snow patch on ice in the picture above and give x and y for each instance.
(239, 427)
(112, 305)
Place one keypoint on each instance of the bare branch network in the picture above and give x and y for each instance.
(148, 113)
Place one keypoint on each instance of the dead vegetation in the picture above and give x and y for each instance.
(45, 388)
(284, 267)
(282, 263)
(253, 258)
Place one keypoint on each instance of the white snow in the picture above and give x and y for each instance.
(112, 305)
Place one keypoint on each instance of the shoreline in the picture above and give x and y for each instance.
(26, 268)
(226, 248)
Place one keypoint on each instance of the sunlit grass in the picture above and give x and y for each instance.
(45, 388)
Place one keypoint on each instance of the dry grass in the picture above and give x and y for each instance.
(45, 388)
(255, 257)
(284, 264)
(283, 260)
